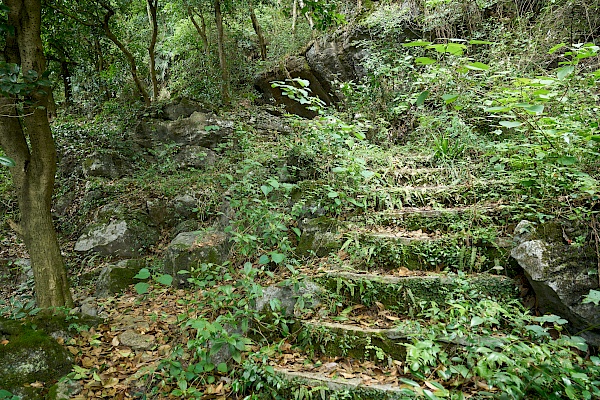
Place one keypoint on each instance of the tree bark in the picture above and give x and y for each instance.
(201, 29)
(152, 10)
(221, 47)
(33, 175)
(258, 30)
(132, 64)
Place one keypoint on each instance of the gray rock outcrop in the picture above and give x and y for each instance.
(561, 274)
(189, 250)
(199, 129)
(121, 238)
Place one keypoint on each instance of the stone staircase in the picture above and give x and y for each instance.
(425, 243)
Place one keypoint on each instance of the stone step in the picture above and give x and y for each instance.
(324, 387)
(418, 250)
(443, 219)
(398, 197)
(405, 294)
(374, 344)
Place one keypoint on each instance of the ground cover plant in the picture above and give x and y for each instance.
(458, 130)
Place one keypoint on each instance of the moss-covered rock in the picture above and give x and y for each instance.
(116, 278)
(189, 250)
(29, 356)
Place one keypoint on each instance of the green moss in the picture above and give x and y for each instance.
(30, 355)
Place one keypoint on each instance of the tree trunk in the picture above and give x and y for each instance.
(201, 29)
(294, 16)
(33, 175)
(258, 30)
(65, 73)
(222, 59)
(152, 10)
(132, 64)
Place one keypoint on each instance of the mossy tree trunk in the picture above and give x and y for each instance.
(26, 137)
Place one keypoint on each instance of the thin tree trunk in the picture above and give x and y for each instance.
(258, 30)
(152, 10)
(65, 73)
(309, 18)
(294, 16)
(201, 29)
(33, 175)
(132, 64)
(221, 47)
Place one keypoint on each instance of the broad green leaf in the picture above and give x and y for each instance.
(264, 259)
(566, 161)
(165, 279)
(592, 297)
(474, 41)
(297, 231)
(422, 97)
(554, 319)
(7, 162)
(565, 71)
(456, 49)
(222, 368)
(277, 258)
(477, 321)
(556, 47)
(532, 108)
(416, 43)
(141, 287)
(449, 98)
(409, 382)
(143, 273)
(510, 124)
(266, 189)
(332, 194)
(477, 66)
(595, 138)
(367, 174)
(424, 61)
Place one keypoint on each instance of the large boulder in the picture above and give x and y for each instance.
(561, 273)
(182, 108)
(29, 356)
(105, 164)
(118, 233)
(199, 129)
(189, 250)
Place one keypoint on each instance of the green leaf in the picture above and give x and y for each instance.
(222, 368)
(416, 43)
(332, 194)
(266, 189)
(565, 71)
(422, 97)
(141, 287)
(367, 174)
(143, 273)
(7, 162)
(497, 109)
(449, 98)
(592, 297)
(264, 259)
(477, 66)
(566, 161)
(165, 279)
(556, 47)
(297, 231)
(339, 169)
(510, 124)
(424, 61)
(277, 258)
(477, 321)
(456, 49)
(532, 108)
(409, 382)
(474, 41)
